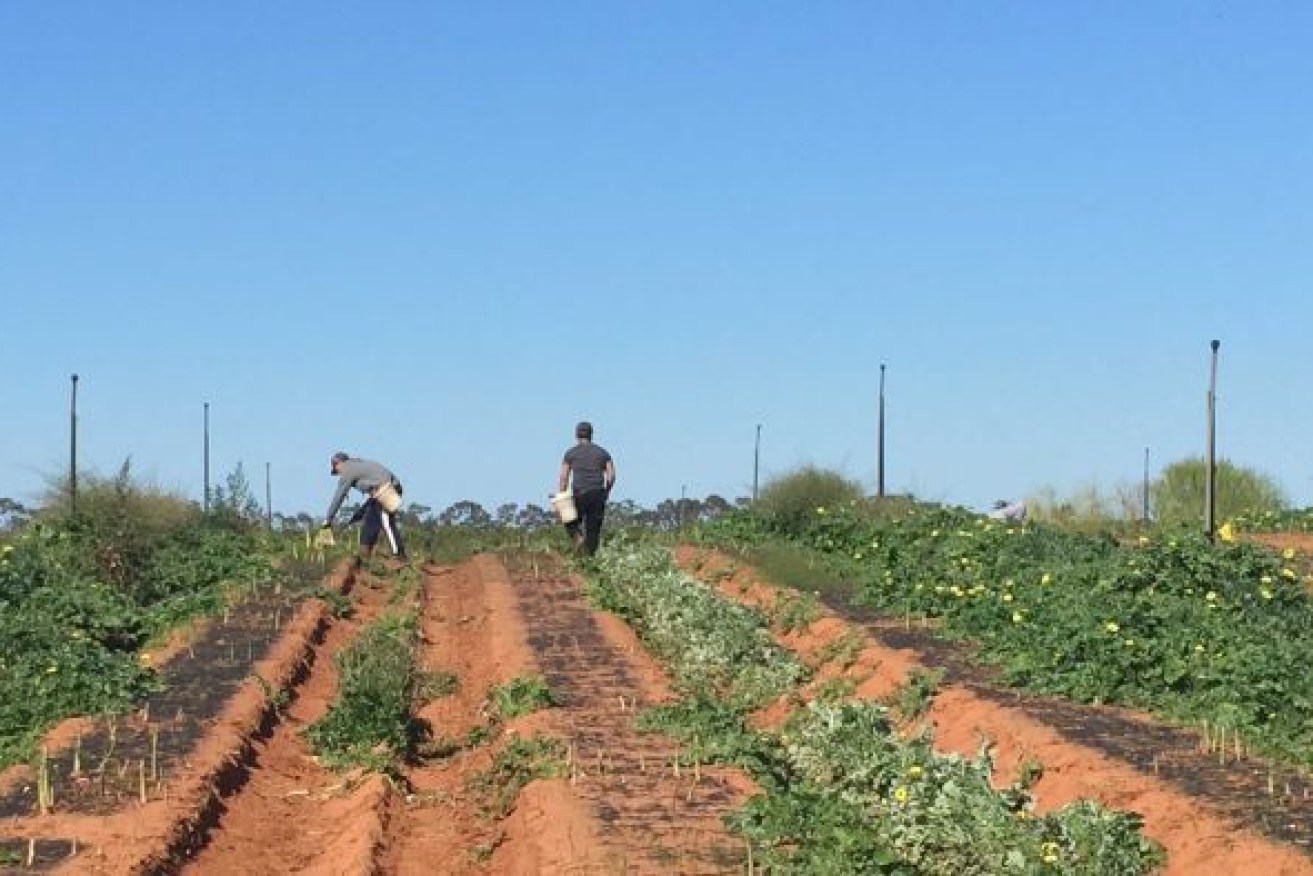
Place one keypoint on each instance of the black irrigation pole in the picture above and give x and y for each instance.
(1210, 463)
(879, 453)
(1145, 488)
(206, 503)
(756, 463)
(73, 451)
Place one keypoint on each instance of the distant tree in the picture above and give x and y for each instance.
(714, 506)
(1178, 494)
(533, 516)
(415, 514)
(466, 513)
(506, 514)
(234, 500)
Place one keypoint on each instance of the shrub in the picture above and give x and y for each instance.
(791, 498)
(1178, 494)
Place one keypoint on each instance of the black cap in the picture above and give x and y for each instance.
(340, 456)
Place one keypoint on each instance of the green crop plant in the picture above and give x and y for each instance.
(371, 723)
(520, 696)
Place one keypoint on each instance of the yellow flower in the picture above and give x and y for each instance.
(1007, 597)
(1288, 554)
(1111, 626)
(1210, 596)
(1199, 649)
(956, 591)
(900, 794)
(1047, 579)
(1289, 573)
(1017, 617)
(1266, 579)
(914, 771)
(1129, 643)
(1144, 539)
(1050, 852)
(1226, 532)
(820, 509)
(1266, 593)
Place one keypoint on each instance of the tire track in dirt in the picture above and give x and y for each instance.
(293, 815)
(656, 820)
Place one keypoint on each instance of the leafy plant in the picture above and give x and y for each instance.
(520, 696)
(371, 723)
(522, 760)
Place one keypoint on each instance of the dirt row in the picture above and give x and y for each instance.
(185, 800)
(1197, 837)
(250, 798)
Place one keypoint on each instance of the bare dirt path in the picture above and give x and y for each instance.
(656, 819)
(1199, 831)
(472, 629)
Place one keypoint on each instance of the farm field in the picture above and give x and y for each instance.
(668, 708)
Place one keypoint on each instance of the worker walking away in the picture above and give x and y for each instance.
(588, 471)
(382, 501)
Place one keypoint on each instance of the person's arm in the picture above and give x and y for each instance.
(564, 480)
(343, 485)
(608, 476)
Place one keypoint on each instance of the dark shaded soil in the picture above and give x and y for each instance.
(1276, 801)
(128, 757)
(663, 822)
(36, 856)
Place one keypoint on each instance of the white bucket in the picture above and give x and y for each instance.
(387, 496)
(563, 505)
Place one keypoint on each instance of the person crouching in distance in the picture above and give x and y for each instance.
(383, 498)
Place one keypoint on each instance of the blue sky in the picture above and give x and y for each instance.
(438, 234)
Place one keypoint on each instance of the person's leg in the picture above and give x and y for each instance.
(388, 521)
(370, 526)
(596, 504)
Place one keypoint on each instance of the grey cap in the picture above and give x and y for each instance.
(584, 430)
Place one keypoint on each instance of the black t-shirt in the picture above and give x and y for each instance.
(587, 463)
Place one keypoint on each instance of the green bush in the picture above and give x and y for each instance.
(793, 497)
(1178, 494)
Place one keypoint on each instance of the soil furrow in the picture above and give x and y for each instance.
(658, 818)
(293, 815)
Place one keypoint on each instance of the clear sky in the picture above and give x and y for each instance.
(438, 234)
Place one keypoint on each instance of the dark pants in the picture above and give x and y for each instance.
(376, 521)
(592, 508)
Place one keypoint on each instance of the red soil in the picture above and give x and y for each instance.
(1196, 840)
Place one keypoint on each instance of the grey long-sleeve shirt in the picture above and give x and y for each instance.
(363, 474)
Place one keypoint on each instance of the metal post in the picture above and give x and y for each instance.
(73, 451)
(1145, 488)
(879, 456)
(268, 498)
(1210, 462)
(756, 463)
(206, 503)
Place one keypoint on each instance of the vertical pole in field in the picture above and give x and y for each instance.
(206, 503)
(1144, 514)
(73, 450)
(683, 496)
(879, 452)
(1210, 462)
(268, 498)
(756, 463)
